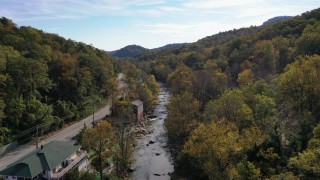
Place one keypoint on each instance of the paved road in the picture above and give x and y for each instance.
(64, 135)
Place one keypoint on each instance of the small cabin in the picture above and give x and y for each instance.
(138, 109)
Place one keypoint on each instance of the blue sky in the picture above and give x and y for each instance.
(113, 24)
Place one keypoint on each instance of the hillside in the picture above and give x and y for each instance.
(238, 45)
(45, 78)
(259, 85)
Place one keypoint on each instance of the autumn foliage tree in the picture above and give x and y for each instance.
(299, 84)
(180, 80)
(182, 118)
(231, 106)
(219, 146)
(101, 140)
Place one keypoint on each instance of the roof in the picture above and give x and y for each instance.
(137, 102)
(39, 160)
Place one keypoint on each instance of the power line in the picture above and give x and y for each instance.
(22, 136)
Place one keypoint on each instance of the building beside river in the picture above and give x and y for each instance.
(138, 109)
(52, 161)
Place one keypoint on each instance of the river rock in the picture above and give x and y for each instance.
(130, 170)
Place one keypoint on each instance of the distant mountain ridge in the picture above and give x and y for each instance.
(132, 51)
(128, 51)
(170, 46)
(135, 51)
(276, 19)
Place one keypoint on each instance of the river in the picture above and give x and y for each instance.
(152, 155)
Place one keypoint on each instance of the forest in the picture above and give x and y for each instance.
(48, 82)
(46, 79)
(245, 103)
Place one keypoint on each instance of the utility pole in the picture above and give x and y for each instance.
(93, 123)
(37, 135)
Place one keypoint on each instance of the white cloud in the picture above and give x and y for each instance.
(167, 28)
(189, 31)
(150, 3)
(171, 9)
(159, 20)
(52, 9)
(151, 12)
(213, 4)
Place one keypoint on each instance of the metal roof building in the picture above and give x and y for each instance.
(51, 161)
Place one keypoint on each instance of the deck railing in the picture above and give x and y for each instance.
(63, 171)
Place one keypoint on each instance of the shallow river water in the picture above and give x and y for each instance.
(153, 160)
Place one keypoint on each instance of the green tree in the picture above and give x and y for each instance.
(28, 76)
(65, 110)
(218, 79)
(265, 57)
(246, 170)
(194, 61)
(307, 163)
(264, 111)
(15, 108)
(230, 105)
(183, 111)
(309, 41)
(125, 148)
(180, 80)
(152, 85)
(76, 175)
(299, 84)
(162, 71)
(124, 111)
(4, 136)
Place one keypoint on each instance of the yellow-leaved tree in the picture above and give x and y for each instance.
(219, 149)
(101, 141)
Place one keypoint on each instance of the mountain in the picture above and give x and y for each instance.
(170, 46)
(276, 19)
(230, 49)
(136, 51)
(133, 51)
(129, 51)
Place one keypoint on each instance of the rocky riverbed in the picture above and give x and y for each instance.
(152, 155)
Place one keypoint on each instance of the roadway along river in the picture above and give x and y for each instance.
(65, 134)
(152, 156)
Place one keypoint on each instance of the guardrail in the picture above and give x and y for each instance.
(8, 147)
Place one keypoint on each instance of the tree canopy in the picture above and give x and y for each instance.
(45, 77)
